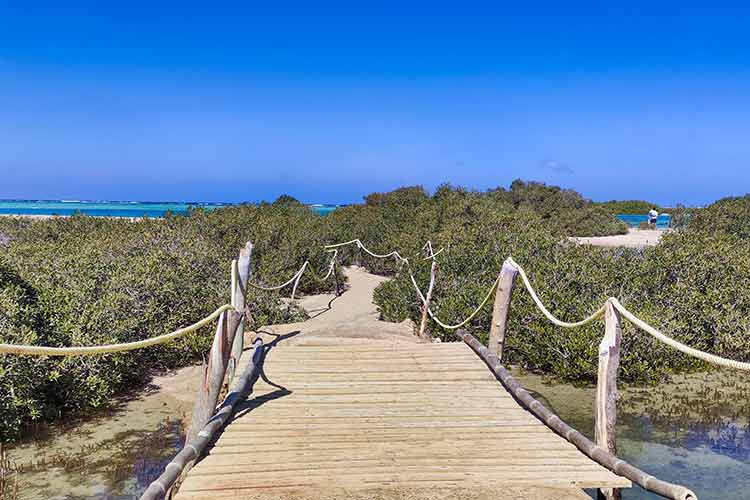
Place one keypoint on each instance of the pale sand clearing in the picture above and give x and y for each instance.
(636, 238)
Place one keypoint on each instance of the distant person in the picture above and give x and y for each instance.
(652, 216)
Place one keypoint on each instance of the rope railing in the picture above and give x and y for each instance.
(540, 305)
(34, 350)
(296, 277)
(469, 317)
(690, 351)
(635, 320)
(660, 336)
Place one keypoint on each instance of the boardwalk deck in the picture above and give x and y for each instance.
(357, 416)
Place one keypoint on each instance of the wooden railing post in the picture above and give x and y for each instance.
(214, 371)
(503, 296)
(428, 299)
(606, 389)
(241, 275)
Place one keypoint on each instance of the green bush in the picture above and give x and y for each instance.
(87, 281)
(22, 378)
(628, 206)
(728, 215)
(97, 281)
(590, 221)
(695, 286)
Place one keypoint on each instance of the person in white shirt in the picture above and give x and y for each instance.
(652, 216)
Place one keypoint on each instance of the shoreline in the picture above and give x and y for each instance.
(635, 238)
(59, 216)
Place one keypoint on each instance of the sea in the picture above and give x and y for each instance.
(117, 208)
(159, 208)
(634, 220)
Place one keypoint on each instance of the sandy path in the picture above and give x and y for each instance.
(636, 238)
(353, 315)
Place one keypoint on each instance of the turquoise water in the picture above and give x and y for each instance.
(114, 208)
(692, 430)
(634, 220)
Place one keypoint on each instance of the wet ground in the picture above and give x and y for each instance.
(692, 431)
(113, 455)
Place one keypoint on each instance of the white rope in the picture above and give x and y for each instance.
(544, 310)
(359, 243)
(279, 287)
(471, 316)
(34, 350)
(299, 277)
(332, 265)
(431, 254)
(635, 320)
(696, 353)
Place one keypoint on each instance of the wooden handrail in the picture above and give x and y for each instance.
(591, 450)
(184, 460)
(223, 360)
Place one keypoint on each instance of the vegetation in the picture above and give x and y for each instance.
(628, 206)
(727, 216)
(87, 281)
(694, 286)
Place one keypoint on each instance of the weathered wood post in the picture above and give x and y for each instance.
(240, 276)
(606, 389)
(503, 295)
(428, 299)
(214, 371)
(336, 278)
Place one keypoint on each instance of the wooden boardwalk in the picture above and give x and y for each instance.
(343, 416)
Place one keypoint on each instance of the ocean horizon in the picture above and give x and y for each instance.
(113, 208)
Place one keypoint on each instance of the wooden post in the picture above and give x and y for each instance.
(503, 296)
(181, 464)
(428, 299)
(213, 372)
(336, 279)
(241, 275)
(606, 389)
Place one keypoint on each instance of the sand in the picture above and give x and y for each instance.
(636, 238)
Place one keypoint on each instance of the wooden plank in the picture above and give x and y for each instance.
(370, 416)
(425, 491)
(352, 466)
(399, 476)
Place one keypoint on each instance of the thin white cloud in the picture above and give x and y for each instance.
(557, 167)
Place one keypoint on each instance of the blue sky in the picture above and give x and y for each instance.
(329, 101)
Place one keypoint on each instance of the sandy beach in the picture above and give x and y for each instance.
(636, 238)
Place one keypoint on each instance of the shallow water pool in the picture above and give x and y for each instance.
(691, 431)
